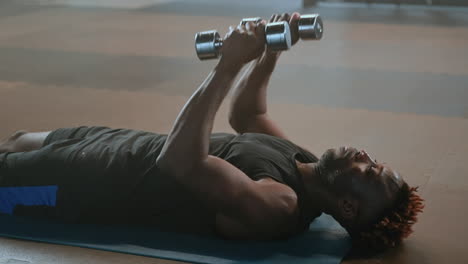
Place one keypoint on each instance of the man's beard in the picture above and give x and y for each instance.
(333, 163)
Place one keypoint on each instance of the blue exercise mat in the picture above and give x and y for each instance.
(326, 242)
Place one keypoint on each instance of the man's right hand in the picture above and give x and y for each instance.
(292, 20)
(243, 43)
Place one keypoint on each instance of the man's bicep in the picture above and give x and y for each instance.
(225, 188)
(253, 209)
(232, 228)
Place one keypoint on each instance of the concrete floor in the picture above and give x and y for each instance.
(391, 80)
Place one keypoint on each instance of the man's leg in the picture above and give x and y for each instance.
(22, 141)
(30, 175)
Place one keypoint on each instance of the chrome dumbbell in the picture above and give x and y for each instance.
(277, 35)
(310, 26)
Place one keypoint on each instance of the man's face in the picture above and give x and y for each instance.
(373, 184)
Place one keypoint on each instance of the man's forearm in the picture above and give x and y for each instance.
(250, 94)
(187, 143)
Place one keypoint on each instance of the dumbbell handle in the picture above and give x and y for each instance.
(219, 42)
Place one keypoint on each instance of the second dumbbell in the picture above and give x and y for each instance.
(309, 26)
(209, 43)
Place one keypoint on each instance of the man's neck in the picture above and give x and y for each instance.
(319, 197)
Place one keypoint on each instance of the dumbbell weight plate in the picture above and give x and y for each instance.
(310, 27)
(278, 36)
(207, 44)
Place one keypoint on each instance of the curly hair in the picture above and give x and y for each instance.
(396, 224)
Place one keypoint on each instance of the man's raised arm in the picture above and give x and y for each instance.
(258, 209)
(188, 141)
(248, 109)
(187, 144)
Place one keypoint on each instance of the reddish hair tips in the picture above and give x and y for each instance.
(397, 224)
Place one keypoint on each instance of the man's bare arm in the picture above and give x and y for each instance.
(215, 182)
(248, 112)
(187, 143)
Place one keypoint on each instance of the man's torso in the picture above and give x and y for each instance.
(111, 177)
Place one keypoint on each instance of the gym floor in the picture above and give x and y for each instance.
(390, 80)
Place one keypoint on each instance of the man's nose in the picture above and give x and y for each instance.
(369, 158)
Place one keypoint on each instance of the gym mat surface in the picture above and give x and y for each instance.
(325, 242)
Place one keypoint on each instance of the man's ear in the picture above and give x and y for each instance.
(348, 208)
